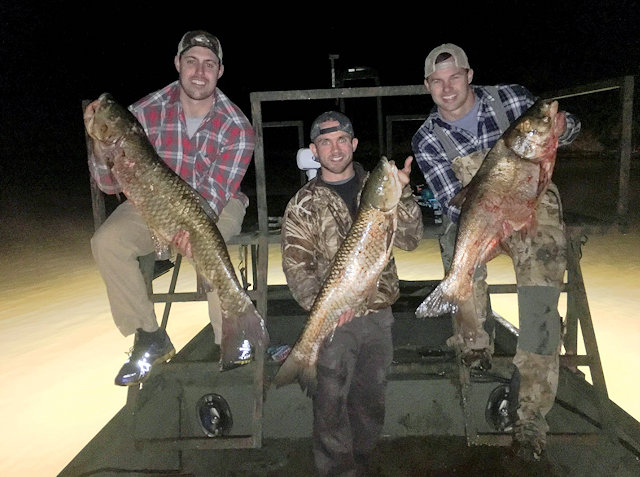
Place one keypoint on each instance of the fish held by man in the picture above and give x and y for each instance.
(500, 200)
(353, 276)
(171, 207)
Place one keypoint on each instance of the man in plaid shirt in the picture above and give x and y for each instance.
(208, 141)
(449, 147)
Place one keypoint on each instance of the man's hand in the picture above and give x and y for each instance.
(404, 174)
(182, 243)
(346, 317)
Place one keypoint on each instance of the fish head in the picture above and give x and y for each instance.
(383, 188)
(107, 121)
(535, 134)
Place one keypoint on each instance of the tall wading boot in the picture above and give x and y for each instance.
(537, 360)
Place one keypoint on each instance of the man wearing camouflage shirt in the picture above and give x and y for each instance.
(349, 402)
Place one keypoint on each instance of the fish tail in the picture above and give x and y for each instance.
(288, 371)
(294, 369)
(437, 303)
(242, 336)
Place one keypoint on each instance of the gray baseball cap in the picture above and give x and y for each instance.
(200, 38)
(458, 58)
(344, 124)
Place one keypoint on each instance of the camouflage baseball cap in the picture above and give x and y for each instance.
(344, 124)
(458, 58)
(200, 38)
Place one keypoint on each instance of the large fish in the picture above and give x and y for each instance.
(500, 199)
(170, 206)
(353, 276)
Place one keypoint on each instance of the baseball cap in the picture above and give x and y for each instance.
(344, 124)
(458, 58)
(200, 38)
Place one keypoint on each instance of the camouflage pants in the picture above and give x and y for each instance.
(539, 261)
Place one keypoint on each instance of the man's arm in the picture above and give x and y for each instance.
(298, 260)
(437, 171)
(573, 127)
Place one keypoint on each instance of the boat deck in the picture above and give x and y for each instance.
(427, 425)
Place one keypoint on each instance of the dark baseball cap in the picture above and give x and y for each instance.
(344, 124)
(200, 38)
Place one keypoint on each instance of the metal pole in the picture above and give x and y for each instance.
(626, 97)
(332, 59)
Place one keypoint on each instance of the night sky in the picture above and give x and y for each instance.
(54, 56)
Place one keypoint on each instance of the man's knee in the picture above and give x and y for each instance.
(103, 239)
(541, 260)
(540, 322)
(231, 218)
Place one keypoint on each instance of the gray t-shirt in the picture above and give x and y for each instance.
(192, 125)
(470, 121)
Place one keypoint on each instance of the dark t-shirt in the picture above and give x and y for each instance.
(348, 190)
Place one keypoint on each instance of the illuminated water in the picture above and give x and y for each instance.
(61, 349)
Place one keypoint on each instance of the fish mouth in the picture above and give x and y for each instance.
(386, 187)
(395, 177)
(534, 135)
(105, 122)
(104, 100)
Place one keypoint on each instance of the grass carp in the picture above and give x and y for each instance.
(353, 275)
(500, 200)
(170, 206)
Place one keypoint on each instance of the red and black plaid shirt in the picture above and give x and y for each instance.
(213, 161)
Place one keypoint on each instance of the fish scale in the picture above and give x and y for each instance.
(500, 200)
(353, 276)
(169, 205)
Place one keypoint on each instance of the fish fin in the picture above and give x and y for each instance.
(436, 304)
(308, 380)
(206, 207)
(242, 336)
(161, 247)
(294, 369)
(288, 371)
(205, 283)
(458, 199)
(491, 250)
(528, 228)
(370, 299)
(203, 203)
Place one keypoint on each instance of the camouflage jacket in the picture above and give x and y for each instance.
(316, 222)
